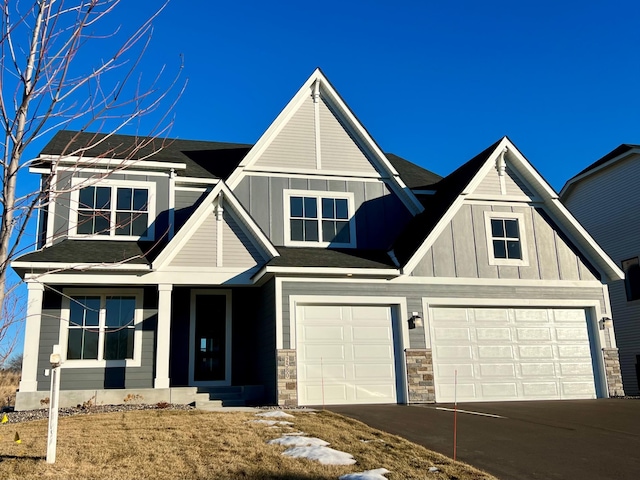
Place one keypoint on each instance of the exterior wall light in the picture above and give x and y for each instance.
(415, 321)
(606, 323)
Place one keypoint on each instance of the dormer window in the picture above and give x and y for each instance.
(112, 209)
(319, 219)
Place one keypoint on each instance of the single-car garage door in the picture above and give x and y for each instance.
(345, 355)
(511, 354)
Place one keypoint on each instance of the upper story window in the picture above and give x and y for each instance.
(113, 209)
(631, 269)
(319, 218)
(102, 327)
(505, 239)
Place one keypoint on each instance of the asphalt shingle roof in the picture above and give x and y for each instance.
(331, 258)
(203, 159)
(625, 147)
(412, 175)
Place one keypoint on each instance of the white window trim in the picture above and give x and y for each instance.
(64, 328)
(524, 261)
(319, 195)
(78, 183)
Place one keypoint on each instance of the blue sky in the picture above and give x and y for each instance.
(434, 82)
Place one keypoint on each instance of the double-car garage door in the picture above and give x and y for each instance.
(511, 354)
(351, 354)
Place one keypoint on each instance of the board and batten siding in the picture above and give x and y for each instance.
(379, 213)
(63, 201)
(185, 202)
(97, 378)
(415, 293)
(607, 205)
(461, 250)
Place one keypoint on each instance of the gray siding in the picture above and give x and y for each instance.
(514, 185)
(607, 205)
(201, 249)
(98, 378)
(379, 213)
(461, 250)
(414, 293)
(295, 144)
(237, 249)
(62, 207)
(185, 202)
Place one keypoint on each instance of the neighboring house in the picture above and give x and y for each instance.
(604, 198)
(310, 268)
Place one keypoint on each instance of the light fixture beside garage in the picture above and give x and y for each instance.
(606, 323)
(415, 320)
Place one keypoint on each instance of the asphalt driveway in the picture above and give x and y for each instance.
(582, 439)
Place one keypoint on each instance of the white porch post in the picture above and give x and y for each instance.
(29, 383)
(163, 335)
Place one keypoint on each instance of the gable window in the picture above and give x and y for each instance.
(319, 218)
(113, 210)
(631, 269)
(102, 327)
(505, 240)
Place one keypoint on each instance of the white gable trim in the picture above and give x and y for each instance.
(381, 163)
(198, 217)
(550, 200)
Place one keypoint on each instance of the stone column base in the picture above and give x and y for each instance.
(287, 378)
(612, 371)
(420, 376)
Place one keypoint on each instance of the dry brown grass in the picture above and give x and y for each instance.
(8, 384)
(162, 444)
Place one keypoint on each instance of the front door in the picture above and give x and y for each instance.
(210, 338)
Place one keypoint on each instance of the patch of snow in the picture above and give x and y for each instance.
(294, 433)
(377, 474)
(265, 422)
(298, 441)
(324, 455)
(434, 469)
(275, 414)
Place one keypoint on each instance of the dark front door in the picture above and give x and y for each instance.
(210, 339)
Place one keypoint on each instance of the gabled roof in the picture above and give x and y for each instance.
(450, 194)
(447, 190)
(414, 176)
(617, 154)
(202, 159)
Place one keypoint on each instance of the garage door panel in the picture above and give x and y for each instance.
(449, 370)
(499, 390)
(535, 351)
(453, 352)
(373, 393)
(369, 314)
(372, 333)
(495, 351)
(497, 370)
(371, 351)
(537, 369)
(540, 389)
(533, 334)
(325, 313)
(322, 333)
(314, 393)
(490, 315)
(511, 353)
(326, 352)
(572, 334)
(493, 333)
(381, 371)
(317, 372)
(452, 334)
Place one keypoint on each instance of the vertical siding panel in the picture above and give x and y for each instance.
(337, 185)
(567, 261)
(242, 193)
(362, 220)
(424, 268)
(260, 203)
(299, 184)
(444, 265)
(277, 186)
(480, 236)
(546, 248)
(463, 243)
(317, 184)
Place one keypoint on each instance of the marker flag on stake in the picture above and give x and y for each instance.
(5, 419)
(17, 438)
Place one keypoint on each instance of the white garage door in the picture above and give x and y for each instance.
(511, 354)
(345, 355)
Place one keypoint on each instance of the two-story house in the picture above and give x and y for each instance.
(602, 198)
(310, 268)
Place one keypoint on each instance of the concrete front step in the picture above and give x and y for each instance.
(230, 396)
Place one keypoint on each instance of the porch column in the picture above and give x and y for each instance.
(163, 335)
(29, 383)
